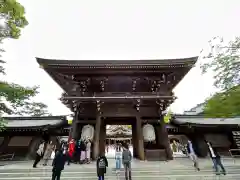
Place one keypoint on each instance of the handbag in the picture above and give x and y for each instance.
(53, 155)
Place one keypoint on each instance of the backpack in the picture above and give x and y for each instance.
(126, 156)
(101, 163)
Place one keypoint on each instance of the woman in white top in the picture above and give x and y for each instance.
(88, 151)
(39, 154)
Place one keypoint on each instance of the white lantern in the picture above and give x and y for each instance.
(87, 132)
(149, 133)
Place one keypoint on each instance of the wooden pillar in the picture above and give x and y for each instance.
(70, 134)
(97, 137)
(134, 140)
(74, 130)
(159, 141)
(102, 139)
(163, 139)
(140, 142)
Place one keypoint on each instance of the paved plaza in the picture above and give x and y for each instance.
(179, 169)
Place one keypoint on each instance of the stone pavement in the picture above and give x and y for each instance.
(179, 169)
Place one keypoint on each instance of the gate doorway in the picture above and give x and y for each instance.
(117, 138)
(132, 139)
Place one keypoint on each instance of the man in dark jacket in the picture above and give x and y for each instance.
(58, 165)
(216, 159)
(102, 164)
(126, 160)
(77, 151)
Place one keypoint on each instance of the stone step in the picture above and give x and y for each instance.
(77, 168)
(136, 177)
(81, 173)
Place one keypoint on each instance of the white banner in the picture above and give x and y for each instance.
(149, 133)
(87, 132)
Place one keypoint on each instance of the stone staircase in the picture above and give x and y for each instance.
(177, 169)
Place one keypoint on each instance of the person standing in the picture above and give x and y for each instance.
(71, 149)
(192, 155)
(102, 164)
(58, 165)
(48, 153)
(126, 160)
(83, 152)
(39, 154)
(216, 159)
(88, 151)
(66, 154)
(118, 158)
(77, 152)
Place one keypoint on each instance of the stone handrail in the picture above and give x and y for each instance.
(7, 157)
(232, 150)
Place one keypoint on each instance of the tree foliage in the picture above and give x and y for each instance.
(14, 98)
(13, 13)
(224, 61)
(225, 104)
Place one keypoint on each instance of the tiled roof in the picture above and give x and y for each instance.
(188, 119)
(28, 122)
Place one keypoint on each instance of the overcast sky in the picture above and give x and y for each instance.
(123, 29)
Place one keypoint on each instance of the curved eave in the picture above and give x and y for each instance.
(35, 122)
(200, 120)
(88, 64)
(119, 135)
(35, 118)
(114, 134)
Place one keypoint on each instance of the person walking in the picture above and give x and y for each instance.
(58, 165)
(48, 153)
(126, 160)
(102, 164)
(192, 155)
(216, 159)
(118, 158)
(39, 154)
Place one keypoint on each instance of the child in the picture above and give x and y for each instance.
(102, 164)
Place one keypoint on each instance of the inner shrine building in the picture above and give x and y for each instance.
(129, 92)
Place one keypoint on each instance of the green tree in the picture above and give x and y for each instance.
(225, 104)
(224, 61)
(14, 98)
(13, 13)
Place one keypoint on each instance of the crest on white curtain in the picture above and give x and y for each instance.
(148, 133)
(87, 132)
